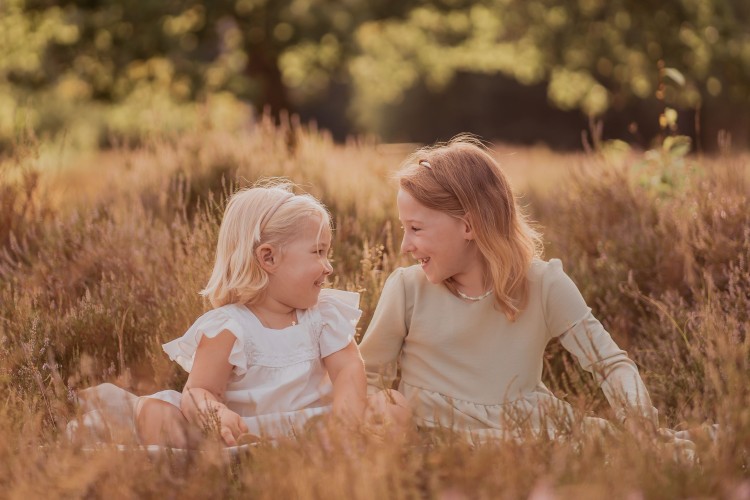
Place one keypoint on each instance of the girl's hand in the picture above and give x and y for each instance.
(231, 426)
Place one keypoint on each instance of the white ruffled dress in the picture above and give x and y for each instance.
(278, 379)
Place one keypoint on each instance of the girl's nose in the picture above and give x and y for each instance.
(327, 267)
(406, 245)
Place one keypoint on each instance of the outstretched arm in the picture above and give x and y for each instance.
(346, 370)
(569, 318)
(615, 372)
(203, 394)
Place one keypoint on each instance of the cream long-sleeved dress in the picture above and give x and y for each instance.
(465, 366)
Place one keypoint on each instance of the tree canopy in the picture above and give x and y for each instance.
(591, 55)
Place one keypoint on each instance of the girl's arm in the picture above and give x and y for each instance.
(614, 371)
(346, 370)
(204, 390)
(580, 333)
(382, 343)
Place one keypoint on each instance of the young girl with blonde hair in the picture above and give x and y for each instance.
(468, 325)
(276, 349)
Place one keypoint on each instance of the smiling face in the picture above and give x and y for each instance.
(440, 242)
(301, 266)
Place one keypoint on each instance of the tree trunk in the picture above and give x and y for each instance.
(263, 67)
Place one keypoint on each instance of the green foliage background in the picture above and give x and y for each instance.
(101, 66)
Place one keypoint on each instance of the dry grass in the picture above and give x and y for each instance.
(101, 258)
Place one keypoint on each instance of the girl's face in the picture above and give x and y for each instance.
(303, 266)
(437, 240)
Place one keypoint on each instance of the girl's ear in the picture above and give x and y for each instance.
(267, 257)
(468, 228)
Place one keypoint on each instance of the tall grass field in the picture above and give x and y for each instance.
(102, 257)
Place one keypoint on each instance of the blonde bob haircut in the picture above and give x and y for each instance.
(461, 179)
(269, 213)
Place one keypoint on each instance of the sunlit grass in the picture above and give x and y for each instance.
(101, 258)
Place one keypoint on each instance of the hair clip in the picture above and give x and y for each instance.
(425, 163)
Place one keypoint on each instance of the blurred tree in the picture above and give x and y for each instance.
(301, 45)
(23, 41)
(593, 55)
(256, 49)
(590, 55)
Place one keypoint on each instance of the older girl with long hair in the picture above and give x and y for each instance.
(469, 323)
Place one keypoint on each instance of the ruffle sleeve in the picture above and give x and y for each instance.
(339, 314)
(182, 350)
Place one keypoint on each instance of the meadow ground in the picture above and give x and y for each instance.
(102, 255)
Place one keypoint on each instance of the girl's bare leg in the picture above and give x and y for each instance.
(161, 423)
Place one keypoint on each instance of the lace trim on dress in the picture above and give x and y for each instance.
(280, 360)
(275, 359)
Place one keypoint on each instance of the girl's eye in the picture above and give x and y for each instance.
(415, 229)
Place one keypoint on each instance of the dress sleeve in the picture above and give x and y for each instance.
(339, 312)
(384, 338)
(580, 333)
(182, 350)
